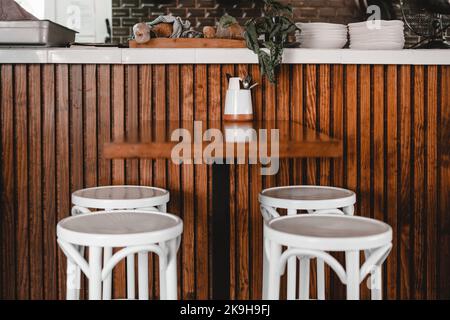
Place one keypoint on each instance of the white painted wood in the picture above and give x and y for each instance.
(314, 235)
(352, 268)
(95, 273)
(107, 283)
(313, 200)
(220, 56)
(138, 232)
(143, 276)
(303, 288)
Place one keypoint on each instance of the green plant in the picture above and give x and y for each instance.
(267, 35)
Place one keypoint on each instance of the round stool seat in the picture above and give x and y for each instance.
(119, 228)
(307, 197)
(328, 232)
(120, 197)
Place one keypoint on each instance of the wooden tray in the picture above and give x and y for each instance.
(189, 43)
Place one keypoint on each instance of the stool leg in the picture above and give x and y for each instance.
(143, 275)
(107, 284)
(303, 287)
(131, 292)
(291, 278)
(163, 273)
(265, 284)
(292, 270)
(349, 211)
(162, 208)
(320, 279)
(352, 269)
(72, 286)
(172, 287)
(376, 284)
(274, 272)
(78, 274)
(95, 270)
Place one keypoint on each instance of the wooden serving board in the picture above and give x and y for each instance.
(189, 43)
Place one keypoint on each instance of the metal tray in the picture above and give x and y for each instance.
(42, 33)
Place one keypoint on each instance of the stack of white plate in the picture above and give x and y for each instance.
(322, 35)
(377, 35)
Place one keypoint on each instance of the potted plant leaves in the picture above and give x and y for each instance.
(267, 36)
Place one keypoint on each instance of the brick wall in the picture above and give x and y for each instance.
(201, 13)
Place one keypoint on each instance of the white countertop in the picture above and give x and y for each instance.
(219, 56)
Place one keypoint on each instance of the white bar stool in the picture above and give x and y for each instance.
(138, 232)
(313, 199)
(313, 235)
(118, 198)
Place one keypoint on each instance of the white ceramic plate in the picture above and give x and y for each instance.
(383, 23)
(315, 44)
(378, 38)
(324, 34)
(377, 46)
(320, 25)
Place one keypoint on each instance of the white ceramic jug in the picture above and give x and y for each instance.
(238, 102)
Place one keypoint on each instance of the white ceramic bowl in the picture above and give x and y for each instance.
(323, 44)
(320, 25)
(324, 34)
(385, 45)
(383, 23)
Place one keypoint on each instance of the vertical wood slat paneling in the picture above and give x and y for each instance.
(394, 122)
(405, 189)
(391, 174)
(48, 182)
(62, 163)
(118, 166)
(21, 177)
(187, 187)
(444, 185)
(201, 191)
(35, 185)
(7, 184)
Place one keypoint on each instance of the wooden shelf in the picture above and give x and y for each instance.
(189, 43)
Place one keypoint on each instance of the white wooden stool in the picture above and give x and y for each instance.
(137, 232)
(314, 235)
(118, 198)
(312, 199)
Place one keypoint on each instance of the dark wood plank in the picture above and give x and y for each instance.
(76, 134)
(35, 185)
(49, 182)
(21, 166)
(392, 276)
(230, 69)
(311, 121)
(104, 119)
(201, 191)
(174, 171)
(324, 125)
(242, 221)
(405, 208)
(62, 162)
(8, 216)
(431, 205)
(444, 185)
(187, 182)
(118, 166)
(337, 289)
(419, 221)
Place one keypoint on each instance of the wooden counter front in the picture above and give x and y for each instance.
(394, 122)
